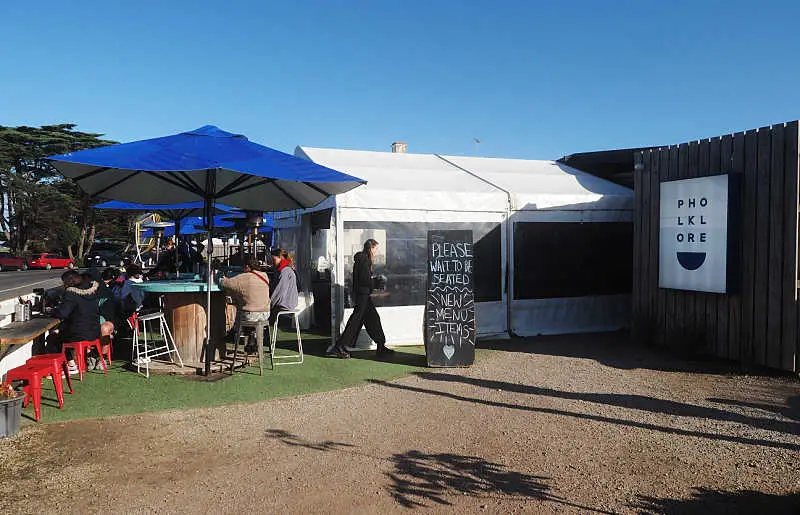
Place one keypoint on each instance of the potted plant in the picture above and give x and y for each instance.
(10, 409)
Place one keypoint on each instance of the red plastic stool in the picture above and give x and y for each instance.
(59, 364)
(80, 354)
(33, 374)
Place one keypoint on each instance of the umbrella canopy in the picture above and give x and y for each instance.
(170, 211)
(193, 225)
(206, 163)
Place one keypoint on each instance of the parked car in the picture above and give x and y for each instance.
(105, 257)
(48, 261)
(10, 261)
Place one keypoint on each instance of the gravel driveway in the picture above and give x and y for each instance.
(582, 424)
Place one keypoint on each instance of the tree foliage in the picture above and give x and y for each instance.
(40, 208)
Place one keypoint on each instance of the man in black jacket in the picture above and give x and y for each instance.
(364, 313)
(78, 311)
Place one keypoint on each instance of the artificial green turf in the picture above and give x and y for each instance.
(123, 392)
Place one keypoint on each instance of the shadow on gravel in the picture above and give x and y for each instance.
(618, 350)
(596, 418)
(297, 441)
(637, 402)
(790, 410)
(420, 477)
(711, 502)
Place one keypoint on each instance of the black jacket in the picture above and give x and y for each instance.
(109, 305)
(79, 313)
(362, 275)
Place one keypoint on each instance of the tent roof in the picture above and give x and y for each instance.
(453, 183)
(537, 184)
(407, 181)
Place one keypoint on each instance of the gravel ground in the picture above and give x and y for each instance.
(560, 425)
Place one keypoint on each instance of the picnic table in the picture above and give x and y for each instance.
(18, 333)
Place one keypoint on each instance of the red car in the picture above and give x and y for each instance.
(48, 261)
(9, 261)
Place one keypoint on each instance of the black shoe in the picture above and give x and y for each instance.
(384, 350)
(339, 352)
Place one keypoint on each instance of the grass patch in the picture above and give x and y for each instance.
(123, 392)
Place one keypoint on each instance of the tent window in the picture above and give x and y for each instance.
(553, 260)
(402, 257)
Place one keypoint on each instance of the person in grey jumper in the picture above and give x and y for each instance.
(284, 284)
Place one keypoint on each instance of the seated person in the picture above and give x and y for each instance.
(250, 292)
(129, 298)
(167, 261)
(78, 311)
(235, 259)
(108, 311)
(284, 284)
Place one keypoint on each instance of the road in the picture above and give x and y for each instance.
(16, 283)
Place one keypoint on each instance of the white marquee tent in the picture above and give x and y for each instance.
(499, 199)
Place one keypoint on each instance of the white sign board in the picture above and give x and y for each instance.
(694, 234)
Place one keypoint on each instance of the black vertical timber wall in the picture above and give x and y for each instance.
(759, 324)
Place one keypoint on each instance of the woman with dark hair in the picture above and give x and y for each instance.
(364, 313)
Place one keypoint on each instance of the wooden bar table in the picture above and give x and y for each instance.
(18, 333)
(184, 306)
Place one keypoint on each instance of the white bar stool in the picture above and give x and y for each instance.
(290, 359)
(144, 352)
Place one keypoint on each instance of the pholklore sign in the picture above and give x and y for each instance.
(696, 237)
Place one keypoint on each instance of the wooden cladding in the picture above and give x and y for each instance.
(759, 324)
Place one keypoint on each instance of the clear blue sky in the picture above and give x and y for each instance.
(531, 79)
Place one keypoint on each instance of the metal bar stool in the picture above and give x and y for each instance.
(289, 359)
(258, 327)
(143, 352)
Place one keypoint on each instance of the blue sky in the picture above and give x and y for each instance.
(531, 79)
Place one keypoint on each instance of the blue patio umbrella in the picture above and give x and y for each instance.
(193, 225)
(175, 212)
(206, 164)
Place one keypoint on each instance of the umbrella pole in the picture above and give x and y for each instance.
(211, 187)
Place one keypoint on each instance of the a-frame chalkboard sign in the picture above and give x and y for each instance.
(450, 300)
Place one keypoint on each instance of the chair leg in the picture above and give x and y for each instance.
(174, 346)
(36, 391)
(80, 360)
(260, 342)
(99, 349)
(162, 322)
(27, 389)
(236, 346)
(146, 349)
(58, 385)
(299, 339)
(66, 374)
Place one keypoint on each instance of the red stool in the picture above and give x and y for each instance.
(59, 364)
(80, 354)
(33, 374)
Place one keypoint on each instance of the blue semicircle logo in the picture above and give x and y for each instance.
(691, 260)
